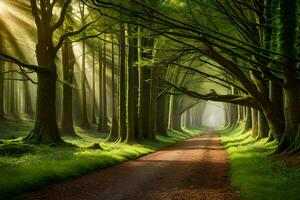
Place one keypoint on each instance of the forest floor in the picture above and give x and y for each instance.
(193, 169)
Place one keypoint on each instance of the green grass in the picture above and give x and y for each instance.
(24, 171)
(257, 176)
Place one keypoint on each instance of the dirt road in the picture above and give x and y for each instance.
(195, 169)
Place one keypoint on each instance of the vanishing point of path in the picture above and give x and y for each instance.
(194, 169)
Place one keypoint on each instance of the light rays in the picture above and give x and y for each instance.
(3, 7)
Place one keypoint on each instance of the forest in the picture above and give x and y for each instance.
(150, 99)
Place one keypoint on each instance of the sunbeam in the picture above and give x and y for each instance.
(2, 6)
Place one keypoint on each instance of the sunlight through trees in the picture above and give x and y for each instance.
(136, 71)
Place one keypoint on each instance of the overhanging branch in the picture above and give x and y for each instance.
(244, 100)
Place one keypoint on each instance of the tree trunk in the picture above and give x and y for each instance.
(288, 34)
(170, 114)
(176, 115)
(130, 97)
(291, 140)
(153, 104)
(45, 128)
(141, 84)
(85, 121)
(276, 97)
(104, 100)
(188, 119)
(113, 135)
(234, 111)
(122, 86)
(27, 100)
(263, 126)
(163, 114)
(1, 80)
(94, 121)
(248, 120)
(68, 57)
(12, 99)
(227, 116)
(254, 122)
(102, 125)
(145, 104)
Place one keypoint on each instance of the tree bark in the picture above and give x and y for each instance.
(163, 114)
(176, 115)
(94, 121)
(288, 34)
(122, 87)
(68, 57)
(153, 104)
(113, 135)
(140, 93)
(84, 120)
(102, 125)
(45, 128)
(27, 100)
(254, 123)
(263, 126)
(1, 80)
(130, 95)
(248, 120)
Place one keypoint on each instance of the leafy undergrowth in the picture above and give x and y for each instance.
(29, 167)
(257, 176)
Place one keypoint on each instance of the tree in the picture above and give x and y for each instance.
(45, 129)
(93, 89)
(102, 123)
(122, 86)
(288, 34)
(84, 121)
(113, 135)
(1, 80)
(68, 57)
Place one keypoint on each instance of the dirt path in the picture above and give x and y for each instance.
(193, 169)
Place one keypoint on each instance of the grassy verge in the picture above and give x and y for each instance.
(39, 165)
(257, 176)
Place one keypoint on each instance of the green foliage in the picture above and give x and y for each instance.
(45, 164)
(255, 174)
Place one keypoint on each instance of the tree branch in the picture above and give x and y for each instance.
(234, 99)
(62, 16)
(38, 69)
(70, 34)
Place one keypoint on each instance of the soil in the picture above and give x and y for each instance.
(194, 169)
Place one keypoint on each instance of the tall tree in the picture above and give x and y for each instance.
(288, 34)
(122, 86)
(102, 124)
(84, 121)
(1, 80)
(113, 135)
(93, 89)
(130, 97)
(68, 59)
(45, 129)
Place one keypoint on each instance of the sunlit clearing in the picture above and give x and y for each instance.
(214, 115)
